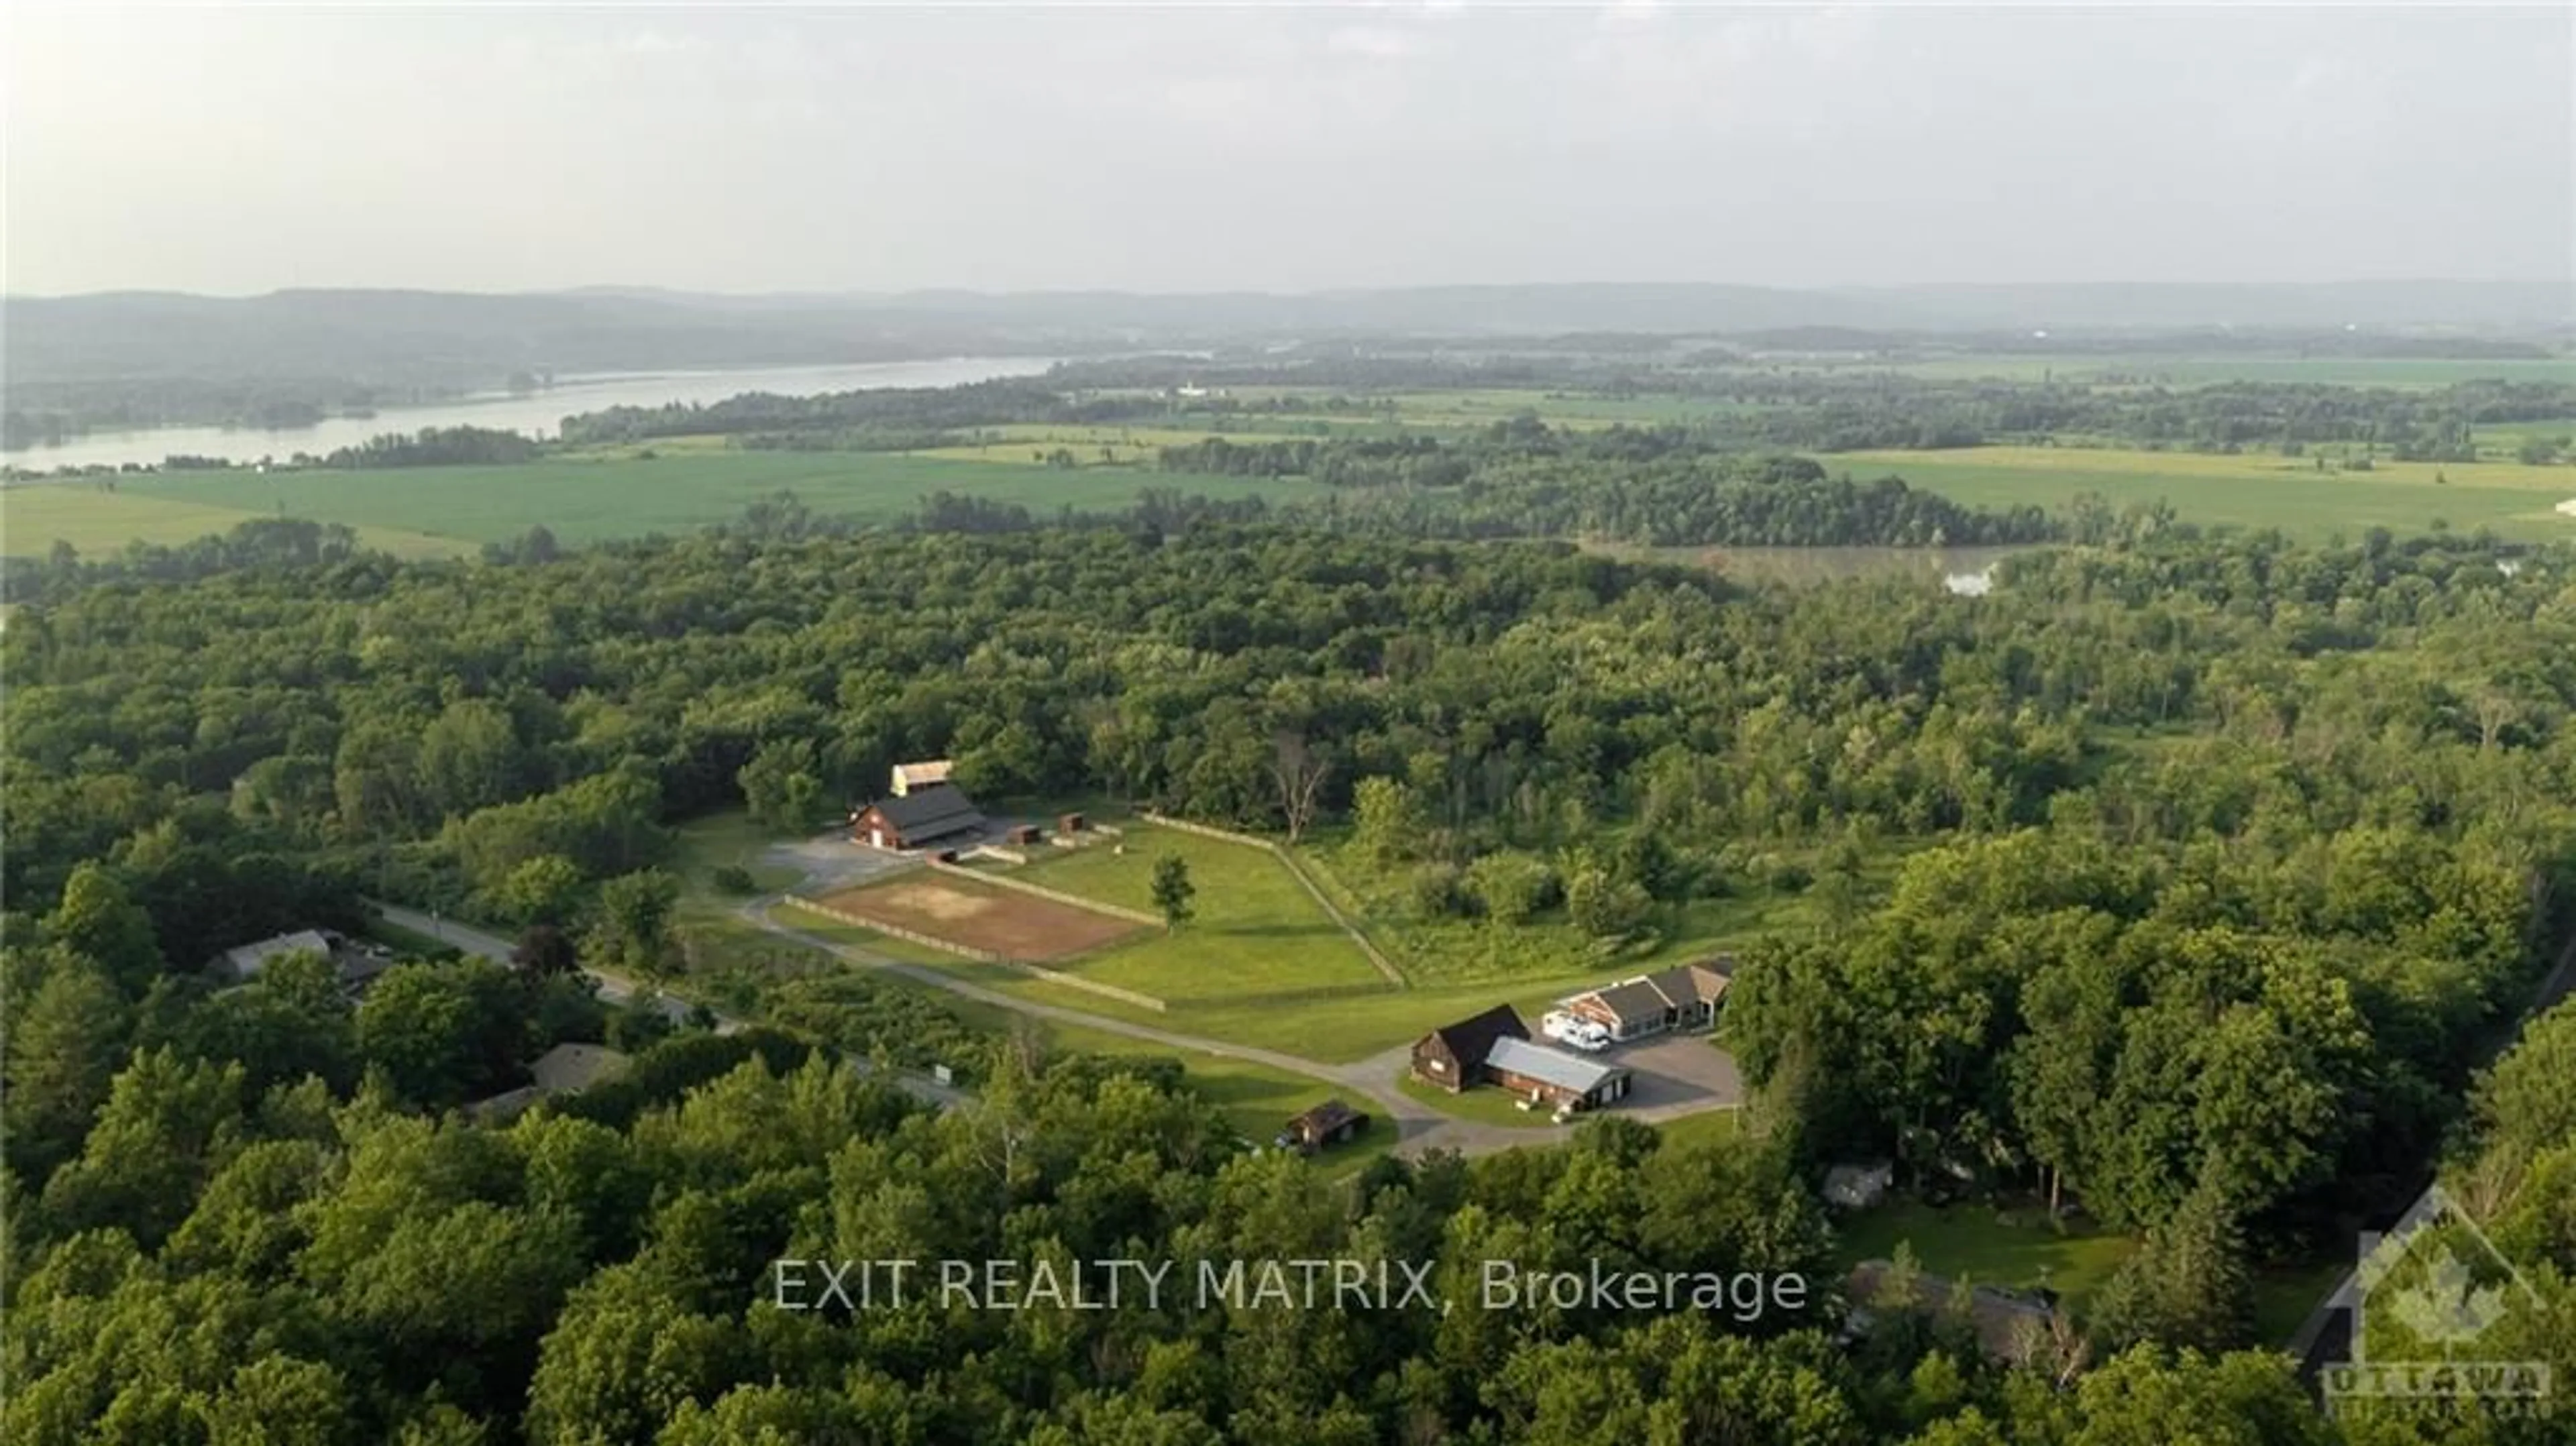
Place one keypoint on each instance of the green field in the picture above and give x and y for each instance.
(578, 499)
(2197, 371)
(1257, 933)
(33, 516)
(2016, 1249)
(2246, 490)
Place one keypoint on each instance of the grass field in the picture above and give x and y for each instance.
(2248, 490)
(99, 523)
(1256, 934)
(586, 500)
(2016, 1249)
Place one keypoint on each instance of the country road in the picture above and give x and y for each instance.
(617, 989)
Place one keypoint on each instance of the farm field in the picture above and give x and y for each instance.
(1257, 933)
(2181, 371)
(982, 916)
(2249, 490)
(33, 516)
(584, 501)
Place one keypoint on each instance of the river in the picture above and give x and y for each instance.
(538, 414)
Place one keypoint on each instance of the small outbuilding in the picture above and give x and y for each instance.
(1453, 1056)
(1553, 1077)
(1858, 1187)
(910, 776)
(1327, 1124)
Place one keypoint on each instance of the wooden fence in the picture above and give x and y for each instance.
(1042, 891)
(1385, 967)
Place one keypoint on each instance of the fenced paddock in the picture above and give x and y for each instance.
(980, 917)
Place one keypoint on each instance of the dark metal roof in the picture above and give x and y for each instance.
(1470, 1040)
(1325, 1118)
(931, 812)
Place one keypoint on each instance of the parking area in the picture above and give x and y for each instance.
(831, 861)
(1677, 1074)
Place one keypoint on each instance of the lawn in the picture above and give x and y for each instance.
(1986, 1246)
(1255, 1098)
(1256, 935)
(33, 516)
(2247, 490)
(724, 840)
(586, 499)
(1475, 952)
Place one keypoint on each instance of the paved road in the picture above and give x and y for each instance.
(617, 989)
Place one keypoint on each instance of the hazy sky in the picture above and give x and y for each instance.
(508, 147)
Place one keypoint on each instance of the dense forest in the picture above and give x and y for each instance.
(2184, 879)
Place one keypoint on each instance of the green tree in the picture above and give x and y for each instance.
(632, 930)
(62, 1056)
(542, 890)
(98, 919)
(1173, 889)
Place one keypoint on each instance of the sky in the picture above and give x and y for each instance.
(240, 148)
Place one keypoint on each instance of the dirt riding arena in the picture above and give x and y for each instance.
(999, 921)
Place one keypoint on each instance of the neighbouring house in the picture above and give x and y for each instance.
(1330, 1123)
(909, 776)
(918, 819)
(566, 1069)
(356, 964)
(1453, 1056)
(1680, 998)
(2011, 1325)
(1552, 1077)
(1858, 1187)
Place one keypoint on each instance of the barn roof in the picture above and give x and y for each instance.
(928, 812)
(1550, 1066)
(1470, 1040)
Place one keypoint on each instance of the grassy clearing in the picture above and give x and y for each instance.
(33, 516)
(1257, 933)
(724, 840)
(2248, 490)
(1985, 1246)
(586, 500)
(1706, 1127)
(1255, 1098)
(1473, 952)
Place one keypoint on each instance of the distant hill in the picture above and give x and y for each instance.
(435, 339)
